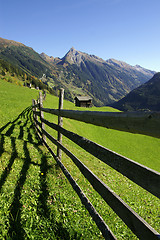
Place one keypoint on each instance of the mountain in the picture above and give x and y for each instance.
(107, 81)
(77, 72)
(23, 57)
(50, 59)
(145, 97)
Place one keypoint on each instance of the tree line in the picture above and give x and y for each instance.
(11, 73)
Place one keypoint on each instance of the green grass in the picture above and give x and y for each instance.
(14, 99)
(37, 201)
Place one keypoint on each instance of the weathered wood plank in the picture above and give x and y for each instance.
(37, 113)
(141, 175)
(147, 123)
(36, 105)
(38, 124)
(60, 122)
(41, 113)
(33, 107)
(138, 226)
(34, 102)
(39, 133)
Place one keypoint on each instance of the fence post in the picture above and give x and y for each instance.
(41, 115)
(36, 117)
(60, 122)
(33, 107)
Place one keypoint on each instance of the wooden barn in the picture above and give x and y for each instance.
(83, 101)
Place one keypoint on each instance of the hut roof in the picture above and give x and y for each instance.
(83, 98)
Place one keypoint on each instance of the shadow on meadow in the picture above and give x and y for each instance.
(22, 128)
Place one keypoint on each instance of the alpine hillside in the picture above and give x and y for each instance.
(23, 57)
(77, 72)
(107, 81)
(145, 97)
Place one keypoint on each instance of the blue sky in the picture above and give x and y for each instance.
(127, 30)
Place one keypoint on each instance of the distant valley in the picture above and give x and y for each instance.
(77, 72)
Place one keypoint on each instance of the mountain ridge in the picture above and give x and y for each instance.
(106, 81)
(113, 80)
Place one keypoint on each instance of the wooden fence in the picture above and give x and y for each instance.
(138, 122)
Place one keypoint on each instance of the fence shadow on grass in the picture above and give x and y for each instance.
(12, 131)
(10, 163)
(23, 131)
(9, 130)
(60, 232)
(16, 231)
(1, 145)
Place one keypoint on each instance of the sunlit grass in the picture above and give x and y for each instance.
(37, 201)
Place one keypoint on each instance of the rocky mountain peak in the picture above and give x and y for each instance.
(72, 49)
(43, 55)
(49, 59)
(74, 57)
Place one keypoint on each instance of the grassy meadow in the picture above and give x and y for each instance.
(37, 201)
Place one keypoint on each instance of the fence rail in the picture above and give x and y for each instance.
(147, 123)
(143, 176)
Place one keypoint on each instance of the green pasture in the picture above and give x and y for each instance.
(37, 201)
